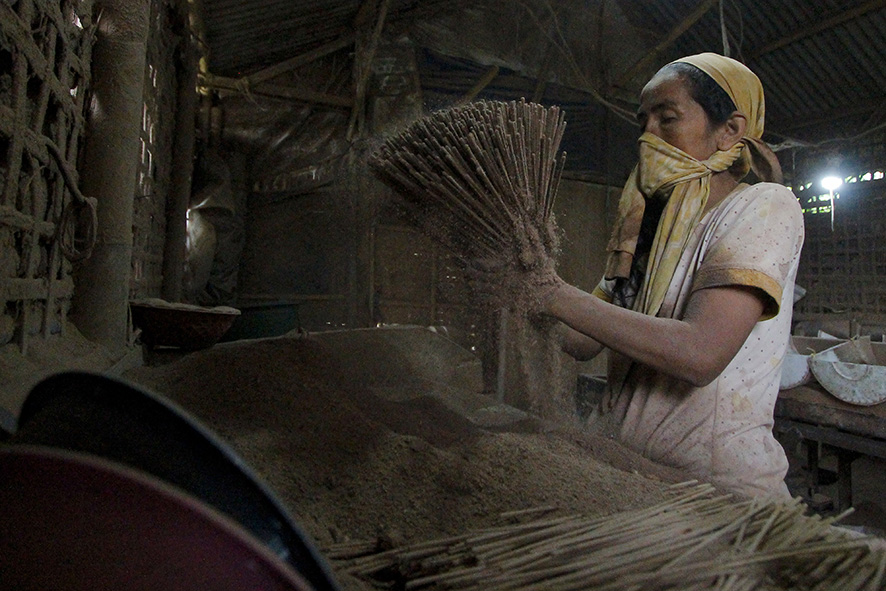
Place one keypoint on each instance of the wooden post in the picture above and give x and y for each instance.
(182, 170)
(481, 84)
(110, 163)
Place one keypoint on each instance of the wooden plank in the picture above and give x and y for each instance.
(868, 446)
(36, 289)
(813, 405)
(300, 60)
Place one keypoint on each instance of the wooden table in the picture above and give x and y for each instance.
(849, 430)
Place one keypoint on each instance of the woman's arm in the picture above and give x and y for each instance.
(578, 345)
(696, 349)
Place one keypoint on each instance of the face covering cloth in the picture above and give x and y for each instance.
(665, 172)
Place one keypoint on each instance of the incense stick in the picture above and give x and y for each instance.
(696, 540)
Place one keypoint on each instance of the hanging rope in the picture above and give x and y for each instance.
(723, 32)
(79, 214)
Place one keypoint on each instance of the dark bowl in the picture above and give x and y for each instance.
(180, 325)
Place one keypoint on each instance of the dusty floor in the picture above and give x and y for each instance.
(21, 371)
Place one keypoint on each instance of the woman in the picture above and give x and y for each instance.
(697, 296)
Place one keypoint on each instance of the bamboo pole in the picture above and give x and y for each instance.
(110, 155)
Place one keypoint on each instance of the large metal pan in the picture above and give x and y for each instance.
(114, 420)
(78, 522)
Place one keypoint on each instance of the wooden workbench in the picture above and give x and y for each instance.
(849, 430)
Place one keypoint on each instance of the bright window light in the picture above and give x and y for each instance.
(831, 182)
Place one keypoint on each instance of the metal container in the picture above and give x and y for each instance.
(115, 421)
(165, 324)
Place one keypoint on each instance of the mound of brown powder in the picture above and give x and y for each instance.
(359, 437)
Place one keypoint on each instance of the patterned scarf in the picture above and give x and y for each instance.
(665, 172)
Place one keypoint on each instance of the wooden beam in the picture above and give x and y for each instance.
(602, 73)
(302, 95)
(877, 117)
(300, 60)
(869, 446)
(482, 83)
(811, 28)
(675, 33)
(179, 190)
(363, 62)
(812, 404)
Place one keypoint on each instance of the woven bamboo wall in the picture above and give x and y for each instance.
(155, 156)
(843, 267)
(45, 50)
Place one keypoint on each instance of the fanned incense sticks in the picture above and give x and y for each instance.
(697, 540)
(482, 179)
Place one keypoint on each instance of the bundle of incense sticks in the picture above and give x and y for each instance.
(481, 178)
(697, 540)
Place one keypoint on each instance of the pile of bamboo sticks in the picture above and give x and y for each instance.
(481, 178)
(699, 539)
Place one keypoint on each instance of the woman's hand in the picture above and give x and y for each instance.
(498, 284)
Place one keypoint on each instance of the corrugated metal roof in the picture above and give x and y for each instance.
(812, 73)
(245, 35)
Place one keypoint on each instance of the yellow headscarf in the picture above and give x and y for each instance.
(664, 171)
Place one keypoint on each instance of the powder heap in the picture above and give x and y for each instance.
(357, 445)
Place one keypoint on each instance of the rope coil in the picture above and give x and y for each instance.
(74, 248)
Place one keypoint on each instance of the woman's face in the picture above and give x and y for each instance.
(669, 112)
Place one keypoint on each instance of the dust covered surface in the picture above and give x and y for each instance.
(354, 456)
(20, 372)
